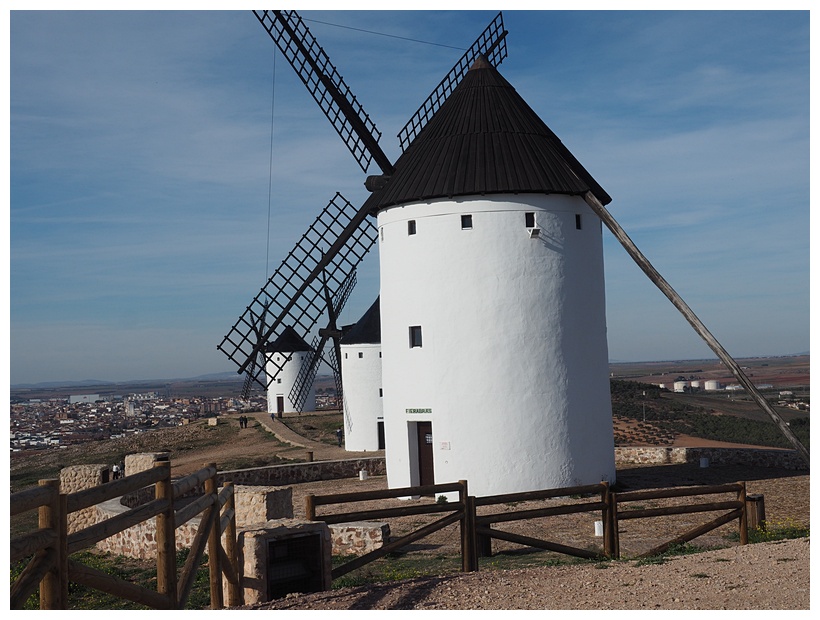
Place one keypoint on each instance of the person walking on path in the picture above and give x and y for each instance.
(339, 436)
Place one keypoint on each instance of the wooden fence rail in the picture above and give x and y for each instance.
(457, 510)
(50, 545)
(486, 533)
(737, 510)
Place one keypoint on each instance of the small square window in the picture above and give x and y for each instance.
(529, 220)
(411, 227)
(578, 221)
(415, 336)
(466, 222)
(361, 355)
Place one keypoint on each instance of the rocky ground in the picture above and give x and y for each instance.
(772, 575)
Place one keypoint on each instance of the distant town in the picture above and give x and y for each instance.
(56, 417)
(63, 420)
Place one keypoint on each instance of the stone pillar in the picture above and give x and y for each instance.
(78, 478)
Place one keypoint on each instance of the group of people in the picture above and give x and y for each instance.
(118, 470)
(243, 421)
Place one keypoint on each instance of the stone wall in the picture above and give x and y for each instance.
(262, 504)
(78, 478)
(359, 537)
(785, 459)
(135, 463)
(296, 473)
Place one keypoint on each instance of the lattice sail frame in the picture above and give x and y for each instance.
(326, 86)
(294, 296)
(310, 366)
(491, 43)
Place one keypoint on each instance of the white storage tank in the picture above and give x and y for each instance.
(288, 352)
(495, 364)
(361, 352)
(695, 385)
(711, 385)
(680, 386)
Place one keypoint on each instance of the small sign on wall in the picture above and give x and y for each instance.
(444, 445)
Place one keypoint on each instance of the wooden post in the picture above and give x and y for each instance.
(49, 519)
(756, 512)
(484, 543)
(469, 562)
(694, 321)
(166, 544)
(235, 598)
(310, 508)
(613, 517)
(606, 517)
(62, 557)
(214, 562)
(743, 520)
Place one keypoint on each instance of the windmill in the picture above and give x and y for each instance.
(317, 276)
(300, 294)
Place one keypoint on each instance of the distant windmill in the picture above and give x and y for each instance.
(492, 310)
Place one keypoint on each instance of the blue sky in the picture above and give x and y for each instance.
(140, 163)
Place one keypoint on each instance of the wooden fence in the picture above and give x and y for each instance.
(477, 530)
(486, 532)
(457, 512)
(50, 546)
(737, 509)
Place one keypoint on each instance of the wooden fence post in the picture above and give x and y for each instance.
(310, 508)
(63, 550)
(166, 543)
(613, 517)
(235, 598)
(49, 519)
(606, 517)
(755, 512)
(469, 561)
(214, 563)
(744, 527)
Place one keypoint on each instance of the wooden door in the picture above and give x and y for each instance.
(425, 445)
(280, 405)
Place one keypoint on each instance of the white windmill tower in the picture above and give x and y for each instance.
(288, 352)
(494, 345)
(361, 354)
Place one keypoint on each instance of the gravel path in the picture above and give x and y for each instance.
(773, 575)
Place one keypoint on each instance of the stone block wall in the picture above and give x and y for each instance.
(296, 473)
(135, 463)
(359, 537)
(78, 478)
(262, 504)
(784, 459)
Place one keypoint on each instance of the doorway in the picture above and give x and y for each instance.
(424, 432)
(280, 405)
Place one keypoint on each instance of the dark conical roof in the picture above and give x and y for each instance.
(287, 342)
(485, 139)
(368, 329)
